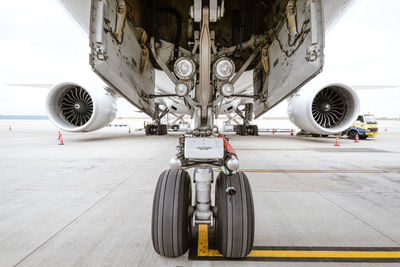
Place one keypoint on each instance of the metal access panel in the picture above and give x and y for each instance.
(204, 148)
(118, 52)
(291, 61)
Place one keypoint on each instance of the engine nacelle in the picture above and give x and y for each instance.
(72, 108)
(330, 110)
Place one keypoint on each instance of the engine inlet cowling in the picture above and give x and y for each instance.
(73, 108)
(330, 110)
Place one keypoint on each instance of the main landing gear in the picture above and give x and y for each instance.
(243, 129)
(247, 115)
(153, 129)
(176, 212)
(157, 128)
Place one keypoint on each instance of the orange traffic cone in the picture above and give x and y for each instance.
(59, 135)
(10, 128)
(61, 140)
(129, 130)
(273, 131)
(291, 133)
(356, 139)
(337, 141)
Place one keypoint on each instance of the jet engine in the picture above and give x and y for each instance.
(330, 110)
(72, 108)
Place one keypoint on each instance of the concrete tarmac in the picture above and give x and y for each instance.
(88, 203)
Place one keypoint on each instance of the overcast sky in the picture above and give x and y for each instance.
(41, 44)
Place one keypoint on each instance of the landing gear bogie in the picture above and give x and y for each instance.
(242, 129)
(153, 129)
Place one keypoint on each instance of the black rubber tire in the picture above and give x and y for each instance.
(235, 216)
(249, 130)
(254, 130)
(241, 129)
(161, 129)
(325, 135)
(148, 129)
(171, 227)
(363, 137)
(352, 134)
(175, 127)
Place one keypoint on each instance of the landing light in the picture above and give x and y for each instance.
(227, 89)
(181, 89)
(184, 68)
(224, 68)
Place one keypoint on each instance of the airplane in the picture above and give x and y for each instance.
(205, 58)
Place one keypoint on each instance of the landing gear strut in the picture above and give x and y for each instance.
(246, 128)
(232, 217)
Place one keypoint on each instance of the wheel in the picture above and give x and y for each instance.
(235, 215)
(171, 227)
(352, 134)
(148, 129)
(324, 135)
(315, 135)
(161, 129)
(363, 137)
(241, 129)
(175, 127)
(253, 130)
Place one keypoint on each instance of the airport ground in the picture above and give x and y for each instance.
(88, 203)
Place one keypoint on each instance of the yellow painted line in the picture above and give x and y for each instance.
(309, 171)
(323, 254)
(204, 251)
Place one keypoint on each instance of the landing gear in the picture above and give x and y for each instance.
(157, 128)
(246, 128)
(232, 217)
(152, 129)
(171, 227)
(235, 220)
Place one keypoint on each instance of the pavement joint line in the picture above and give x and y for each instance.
(309, 254)
(358, 218)
(71, 222)
(348, 212)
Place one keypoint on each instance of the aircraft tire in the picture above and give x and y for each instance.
(171, 227)
(235, 215)
(252, 130)
(148, 129)
(241, 129)
(161, 129)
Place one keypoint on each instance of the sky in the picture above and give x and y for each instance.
(40, 43)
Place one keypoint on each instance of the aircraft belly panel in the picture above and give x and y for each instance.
(291, 64)
(117, 55)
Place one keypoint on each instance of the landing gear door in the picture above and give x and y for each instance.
(119, 54)
(294, 55)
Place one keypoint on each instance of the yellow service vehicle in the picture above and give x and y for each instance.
(365, 126)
